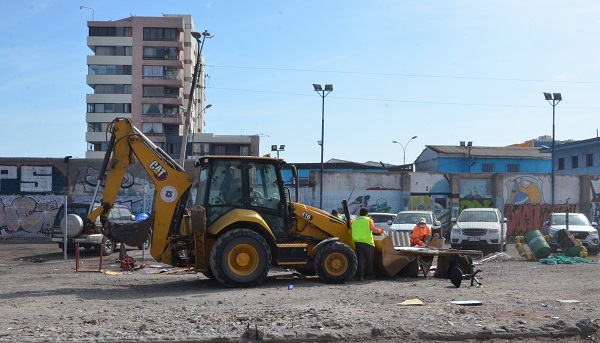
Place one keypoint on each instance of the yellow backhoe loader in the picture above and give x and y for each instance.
(241, 221)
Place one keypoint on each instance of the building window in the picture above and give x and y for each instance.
(219, 150)
(160, 34)
(94, 127)
(94, 69)
(160, 53)
(589, 160)
(153, 72)
(152, 128)
(244, 150)
(109, 108)
(105, 51)
(574, 162)
(487, 167)
(112, 89)
(561, 164)
(160, 92)
(513, 168)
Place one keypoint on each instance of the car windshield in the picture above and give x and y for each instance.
(574, 219)
(478, 216)
(411, 218)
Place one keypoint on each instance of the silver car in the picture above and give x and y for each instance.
(382, 220)
(406, 221)
(579, 226)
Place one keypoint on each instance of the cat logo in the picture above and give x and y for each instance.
(159, 172)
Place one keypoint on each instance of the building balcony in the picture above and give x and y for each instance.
(171, 64)
(170, 101)
(162, 81)
(109, 60)
(166, 118)
(108, 79)
(104, 117)
(108, 98)
(94, 41)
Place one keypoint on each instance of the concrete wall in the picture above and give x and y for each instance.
(32, 190)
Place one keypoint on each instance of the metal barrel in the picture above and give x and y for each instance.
(537, 243)
(568, 243)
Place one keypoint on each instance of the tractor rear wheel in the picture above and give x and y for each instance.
(240, 258)
(336, 263)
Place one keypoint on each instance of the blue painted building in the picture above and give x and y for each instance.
(578, 157)
(476, 159)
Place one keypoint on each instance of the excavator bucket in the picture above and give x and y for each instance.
(134, 234)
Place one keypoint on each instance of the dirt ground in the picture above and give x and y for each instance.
(43, 299)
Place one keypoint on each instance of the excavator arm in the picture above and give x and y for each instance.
(172, 189)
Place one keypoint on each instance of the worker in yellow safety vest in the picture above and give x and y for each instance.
(362, 229)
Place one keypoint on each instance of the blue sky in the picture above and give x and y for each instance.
(444, 71)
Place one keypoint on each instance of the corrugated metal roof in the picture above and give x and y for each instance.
(485, 151)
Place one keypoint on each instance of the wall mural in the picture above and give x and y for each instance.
(30, 196)
(524, 190)
(28, 216)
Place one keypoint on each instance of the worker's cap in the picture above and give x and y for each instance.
(422, 220)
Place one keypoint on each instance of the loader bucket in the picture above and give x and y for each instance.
(134, 234)
(390, 262)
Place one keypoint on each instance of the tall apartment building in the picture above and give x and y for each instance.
(141, 68)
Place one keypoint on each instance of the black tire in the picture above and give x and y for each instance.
(209, 274)
(336, 263)
(593, 252)
(456, 246)
(108, 246)
(240, 258)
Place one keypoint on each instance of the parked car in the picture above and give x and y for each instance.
(406, 221)
(382, 220)
(479, 229)
(579, 226)
(75, 234)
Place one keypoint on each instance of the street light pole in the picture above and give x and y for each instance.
(469, 147)
(188, 110)
(322, 94)
(404, 148)
(553, 99)
(275, 148)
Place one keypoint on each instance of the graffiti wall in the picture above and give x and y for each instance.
(31, 194)
(528, 200)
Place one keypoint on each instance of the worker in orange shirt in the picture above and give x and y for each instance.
(362, 230)
(421, 234)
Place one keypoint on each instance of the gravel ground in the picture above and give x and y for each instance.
(43, 299)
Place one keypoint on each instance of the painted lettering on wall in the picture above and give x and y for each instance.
(475, 203)
(525, 218)
(32, 180)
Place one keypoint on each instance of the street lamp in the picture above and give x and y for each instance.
(469, 147)
(553, 99)
(322, 94)
(404, 148)
(188, 112)
(275, 148)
